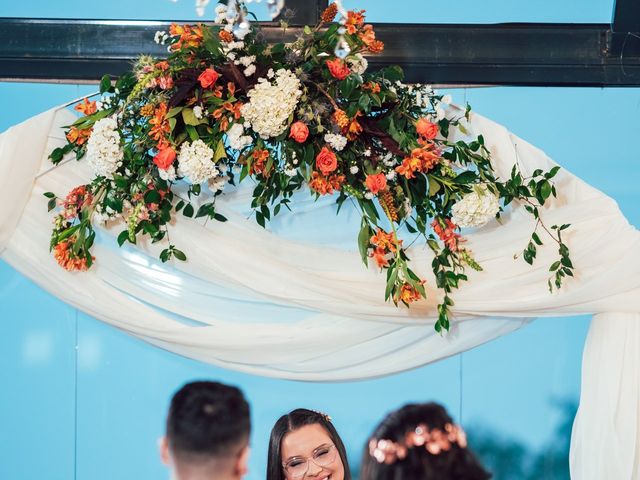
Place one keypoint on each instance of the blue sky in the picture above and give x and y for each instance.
(109, 402)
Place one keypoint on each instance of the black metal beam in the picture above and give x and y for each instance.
(626, 16)
(505, 54)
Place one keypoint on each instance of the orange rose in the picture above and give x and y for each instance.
(208, 78)
(376, 183)
(426, 129)
(164, 158)
(326, 161)
(338, 68)
(299, 132)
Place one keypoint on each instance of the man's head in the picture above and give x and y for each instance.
(207, 434)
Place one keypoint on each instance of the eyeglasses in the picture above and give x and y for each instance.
(323, 457)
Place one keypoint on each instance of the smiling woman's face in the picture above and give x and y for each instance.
(309, 452)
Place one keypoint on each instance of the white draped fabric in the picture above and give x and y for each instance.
(296, 302)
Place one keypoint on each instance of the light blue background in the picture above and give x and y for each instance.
(79, 399)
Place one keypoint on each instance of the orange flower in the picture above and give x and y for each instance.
(258, 165)
(368, 37)
(421, 160)
(326, 161)
(189, 36)
(372, 86)
(376, 183)
(225, 36)
(380, 257)
(220, 113)
(354, 21)
(87, 108)
(338, 68)
(163, 65)
(386, 241)
(408, 294)
(329, 13)
(447, 233)
(63, 254)
(160, 123)
(77, 136)
(325, 185)
(208, 78)
(354, 129)
(299, 132)
(165, 157)
(340, 118)
(426, 129)
(231, 87)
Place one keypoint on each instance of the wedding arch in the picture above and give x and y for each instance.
(246, 293)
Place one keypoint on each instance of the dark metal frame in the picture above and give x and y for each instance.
(502, 54)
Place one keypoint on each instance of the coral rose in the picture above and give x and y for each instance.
(164, 158)
(338, 68)
(376, 183)
(299, 132)
(326, 161)
(208, 78)
(426, 129)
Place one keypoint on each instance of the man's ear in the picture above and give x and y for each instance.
(242, 462)
(163, 446)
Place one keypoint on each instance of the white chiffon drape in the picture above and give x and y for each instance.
(296, 301)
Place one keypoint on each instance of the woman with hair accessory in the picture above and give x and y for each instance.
(304, 444)
(420, 441)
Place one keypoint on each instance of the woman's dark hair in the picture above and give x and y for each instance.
(456, 463)
(293, 421)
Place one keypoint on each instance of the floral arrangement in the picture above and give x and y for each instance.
(225, 106)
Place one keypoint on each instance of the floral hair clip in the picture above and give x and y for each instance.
(434, 441)
(323, 415)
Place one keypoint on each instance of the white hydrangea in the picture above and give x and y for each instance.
(290, 171)
(195, 161)
(271, 104)
(357, 63)
(475, 209)
(337, 142)
(198, 112)
(104, 152)
(217, 184)
(236, 139)
(354, 169)
(168, 174)
(250, 70)
(391, 175)
(221, 13)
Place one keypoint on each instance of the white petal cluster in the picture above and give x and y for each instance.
(357, 63)
(271, 103)
(236, 139)
(475, 209)
(104, 152)
(337, 142)
(195, 161)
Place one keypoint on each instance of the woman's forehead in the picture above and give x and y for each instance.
(303, 441)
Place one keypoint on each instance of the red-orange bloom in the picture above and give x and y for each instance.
(426, 129)
(338, 68)
(380, 257)
(329, 13)
(408, 294)
(225, 36)
(299, 132)
(165, 157)
(384, 240)
(259, 163)
(368, 37)
(372, 86)
(354, 128)
(340, 118)
(77, 136)
(376, 183)
(63, 254)
(354, 21)
(208, 78)
(421, 160)
(163, 65)
(447, 233)
(160, 123)
(325, 185)
(326, 161)
(87, 107)
(190, 36)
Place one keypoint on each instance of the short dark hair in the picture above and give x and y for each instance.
(457, 463)
(293, 421)
(207, 419)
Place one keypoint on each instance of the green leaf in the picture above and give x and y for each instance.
(566, 261)
(545, 189)
(124, 235)
(465, 177)
(364, 238)
(554, 266)
(49, 194)
(190, 119)
(152, 196)
(188, 211)
(105, 84)
(434, 186)
(193, 133)
(220, 153)
(536, 238)
(221, 218)
(552, 173)
(179, 254)
(165, 255)
(174, 111)
(51, 204)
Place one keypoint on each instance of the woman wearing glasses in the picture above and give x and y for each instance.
(305, 445)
